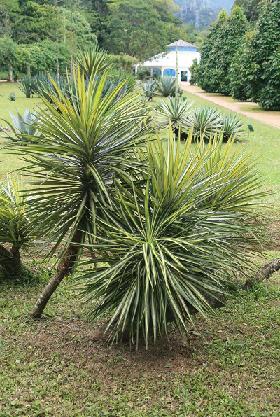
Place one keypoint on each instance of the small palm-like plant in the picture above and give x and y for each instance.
(15, 230)
(86, 141)
(175, 112)
(204, 122)
(94, 61)
(167, 86)
(168, 250)
(232, 127)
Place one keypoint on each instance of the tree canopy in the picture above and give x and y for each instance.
(219, 50)
(137, 28)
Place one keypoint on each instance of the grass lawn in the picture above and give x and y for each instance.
(62, 367)
(264, 146)
(10, 163)
(21, 103)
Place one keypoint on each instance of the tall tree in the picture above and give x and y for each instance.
(265, 56)
(8, 11)
(141, 28)
(255, 73)
(252, 8)
(242, 70)
(219, 50)
(209, 73)
(37, 22)
(8, 56)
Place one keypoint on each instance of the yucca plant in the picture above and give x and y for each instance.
(86, 141)
(15, 230)
(204, 122)
(167, 86)
(168, 250)
(174, 112)
(232, 127)
(93, 61)
(150, 89)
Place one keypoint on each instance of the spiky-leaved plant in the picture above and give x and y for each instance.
(86, 140)
(167, 250)
(15, 227)
(167, 86)
(94, 61)
(204, 122)
(173, 112)
(232, 127)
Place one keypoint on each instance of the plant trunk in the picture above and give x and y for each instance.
(11, 74)
(16, 259)
(65, 267)
(264, 273)
(10, 260)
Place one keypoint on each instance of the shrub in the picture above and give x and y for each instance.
(194, 73)
(143, 74)
(12, 96)
(45, 88)
(123, 62)
(117, 77)
(169, 249)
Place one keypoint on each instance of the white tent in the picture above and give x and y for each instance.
(164, 64)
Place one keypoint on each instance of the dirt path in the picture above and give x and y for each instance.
(251, 110)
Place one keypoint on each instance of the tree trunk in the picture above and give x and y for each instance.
(11, 74)
(65, 268)
(28, 70)
(264, 273)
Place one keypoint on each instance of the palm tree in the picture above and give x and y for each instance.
(86, 140)
(174, 245)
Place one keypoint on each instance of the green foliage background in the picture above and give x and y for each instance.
(241, 58)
